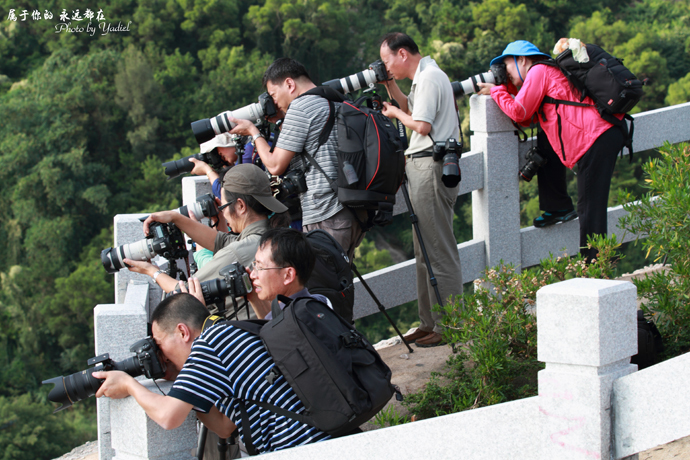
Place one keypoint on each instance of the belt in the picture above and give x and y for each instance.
(420, 155)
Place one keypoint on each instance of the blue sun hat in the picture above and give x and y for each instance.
(519, 48)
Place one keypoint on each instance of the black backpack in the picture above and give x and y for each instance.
(612, 86)
(336, 373)
(371, 161)
(332, 274)
(649, 343)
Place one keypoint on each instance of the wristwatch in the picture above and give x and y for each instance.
(155, 275)
(255, 137)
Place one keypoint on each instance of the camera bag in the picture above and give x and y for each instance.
(332, 274)
(649, 343)
(612, 86)
(371, 161)
(336, 373)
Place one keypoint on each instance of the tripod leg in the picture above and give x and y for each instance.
(381, 307)
(415, 224)
(203, 431)
(222, 448)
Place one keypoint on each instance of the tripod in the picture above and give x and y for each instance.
(382, 309)
(225, 446)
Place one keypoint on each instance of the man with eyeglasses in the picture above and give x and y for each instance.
(248, 209)
(282, 266)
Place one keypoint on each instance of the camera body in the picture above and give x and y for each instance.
(81, 385)
(165, 240)
(449, 152)
(204, 206)
(207, 128)
(292, 183)
(534, 161)
(497, 75)
(366, 78)
(235, 282)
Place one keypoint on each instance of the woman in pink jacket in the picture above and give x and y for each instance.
(584, 139)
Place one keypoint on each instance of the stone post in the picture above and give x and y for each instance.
(116, 328)
(587, 332)
(136, 437)
(194, 186)
(496, 206)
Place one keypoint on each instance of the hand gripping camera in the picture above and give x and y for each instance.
(534, 162)
(234, 283)
(207, 128)
(497, 75)
(366, 78)
(449, 152)
(81, 385)
(165, 240)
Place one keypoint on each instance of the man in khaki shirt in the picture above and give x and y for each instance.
(429, 111)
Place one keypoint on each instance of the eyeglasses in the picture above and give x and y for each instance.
(220, 208)
(253, 267)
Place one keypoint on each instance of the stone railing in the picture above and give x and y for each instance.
(490, 174)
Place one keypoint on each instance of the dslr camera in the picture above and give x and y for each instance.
(81, 385)
(366, 78)
(165, 240)
(534, 161)
(209, 154)
(208, 128)
(204, 206)
(449, 152)
(497, 75)
(292, 183)
(235, 282)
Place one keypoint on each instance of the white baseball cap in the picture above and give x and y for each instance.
(221, 140)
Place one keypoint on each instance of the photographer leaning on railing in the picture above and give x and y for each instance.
(572, 132)
(245, 207)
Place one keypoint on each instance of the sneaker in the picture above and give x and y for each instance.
(550, 218)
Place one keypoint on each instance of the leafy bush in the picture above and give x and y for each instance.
(663, 214)
(497, 328)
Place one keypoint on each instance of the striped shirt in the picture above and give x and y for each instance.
(304, 121)
(227, 364)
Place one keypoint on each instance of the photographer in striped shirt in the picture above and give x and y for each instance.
(215, 371)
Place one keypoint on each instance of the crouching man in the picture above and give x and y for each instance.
(215, 372)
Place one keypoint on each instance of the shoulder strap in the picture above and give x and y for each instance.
(275, 307)
(246, 426)
(210, 321)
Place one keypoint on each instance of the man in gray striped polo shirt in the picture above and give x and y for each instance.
(305, 117)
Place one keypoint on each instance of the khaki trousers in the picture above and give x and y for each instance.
(433, 203)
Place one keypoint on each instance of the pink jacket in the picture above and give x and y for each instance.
(580, 126)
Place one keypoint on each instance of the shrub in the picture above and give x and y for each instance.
(663, 215)
(497, 327)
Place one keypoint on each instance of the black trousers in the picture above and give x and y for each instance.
(594, 172)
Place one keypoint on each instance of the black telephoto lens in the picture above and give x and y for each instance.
(81, 385)
(183, 165)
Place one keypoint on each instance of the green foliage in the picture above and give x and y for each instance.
(28, 430)
(390, 417)
(679, 92)
(494, 332)
(663, 214)
(87, 121)
(370, 259)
